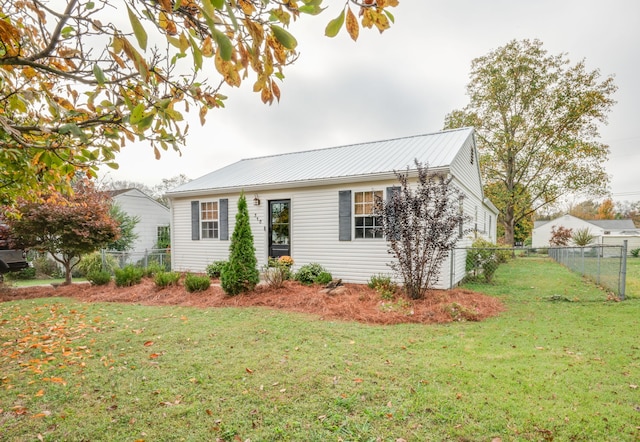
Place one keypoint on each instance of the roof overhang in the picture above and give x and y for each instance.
(335, 181)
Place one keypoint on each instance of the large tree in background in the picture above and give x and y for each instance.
(81, 78)
(536, 117)
(66, 226)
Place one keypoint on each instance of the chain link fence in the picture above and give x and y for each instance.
(142, 259)
(606, 265)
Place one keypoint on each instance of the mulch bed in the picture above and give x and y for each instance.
(351, 302)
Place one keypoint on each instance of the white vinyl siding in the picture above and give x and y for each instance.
(150, 213)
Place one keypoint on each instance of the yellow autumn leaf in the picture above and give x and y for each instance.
(352, 25)
(207, 47)
(167, 24)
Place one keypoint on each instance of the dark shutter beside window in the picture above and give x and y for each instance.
(224, 219)
(344, 215)
(195, 220)
(391, 191)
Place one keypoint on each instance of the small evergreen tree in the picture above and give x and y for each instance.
(421, 227)
(241, 274)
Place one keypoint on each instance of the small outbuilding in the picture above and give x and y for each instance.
(315, 205)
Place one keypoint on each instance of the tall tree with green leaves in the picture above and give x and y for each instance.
(241, 273)
(536, 117)
(126, 228)
(79, 79)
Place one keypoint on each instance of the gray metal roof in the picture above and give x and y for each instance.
(607, 224)
(613, 224)
(355, 160)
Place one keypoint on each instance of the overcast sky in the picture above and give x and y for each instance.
(404, 81)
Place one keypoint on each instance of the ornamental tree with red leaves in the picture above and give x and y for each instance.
(66, 226)
(421, 223)
(560, 236)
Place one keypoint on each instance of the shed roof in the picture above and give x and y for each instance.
(607, 224)
(356, 160)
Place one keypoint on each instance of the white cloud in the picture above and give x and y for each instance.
(406, 80)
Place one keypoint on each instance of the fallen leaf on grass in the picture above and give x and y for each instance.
(633, 386)
(248, 370)
(154, 355)
(148, 343)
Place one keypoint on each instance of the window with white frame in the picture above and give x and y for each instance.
(367, 225)
(209, 219)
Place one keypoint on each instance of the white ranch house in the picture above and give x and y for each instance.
(153, 217)
(606, 231)
(312, 205)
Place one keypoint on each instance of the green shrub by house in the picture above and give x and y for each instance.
(241, 274)
(128, 275)
(196, 283)
(214, 270)
(165, 279)
(308, 273)
(99, 277)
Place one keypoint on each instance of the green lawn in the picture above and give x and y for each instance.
(633, 277)
(560, 363)
(33, 282)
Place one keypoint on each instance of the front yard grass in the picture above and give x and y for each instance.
(561, 363)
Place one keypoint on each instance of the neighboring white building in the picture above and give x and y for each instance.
(153, 217)
(606, 231)
(312, 205)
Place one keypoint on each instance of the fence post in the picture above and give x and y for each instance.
(599, 252)
(623, 270)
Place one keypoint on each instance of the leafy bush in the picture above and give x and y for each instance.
(276, 272)
(99, 277)
(196, 283)
(308, 273)
(128, 276)
(214, 270)
(323, 278)
(28, 273)
(635, 252)
(93, 263)
(152, 269)
(483, 259)
(383, 285)
(165, 279)
(47, 267)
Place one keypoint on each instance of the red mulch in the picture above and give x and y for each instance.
(356, 302)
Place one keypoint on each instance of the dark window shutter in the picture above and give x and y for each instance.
(224, 219)
(195, 220)
(391, 192)
(344, 215)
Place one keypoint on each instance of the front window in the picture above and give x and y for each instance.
(367, 226)
(209, 219)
